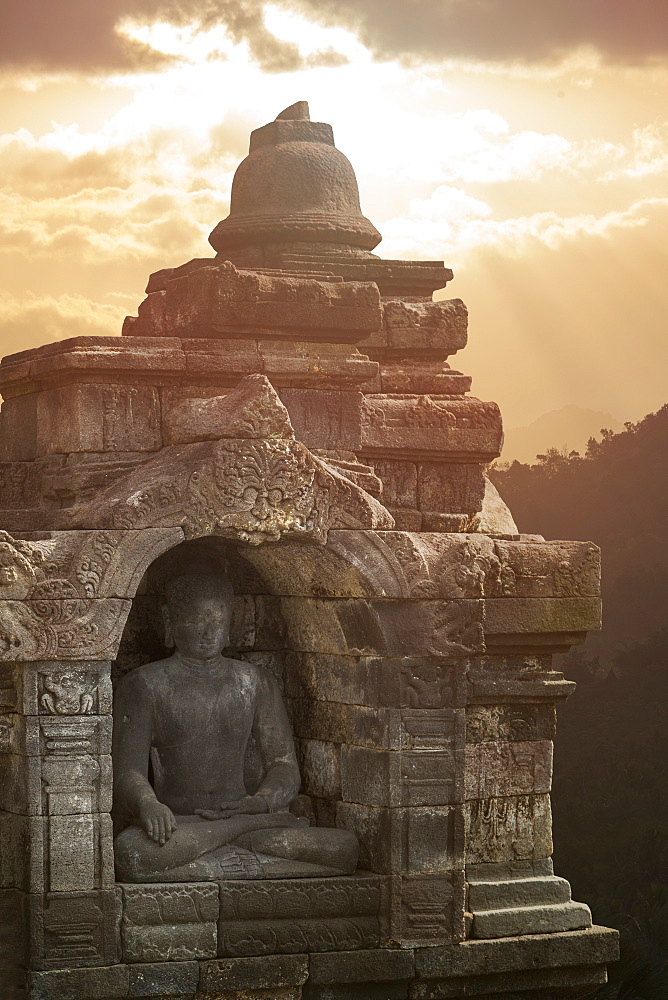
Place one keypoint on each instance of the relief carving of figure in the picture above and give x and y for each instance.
(182, 726)
(68, 694)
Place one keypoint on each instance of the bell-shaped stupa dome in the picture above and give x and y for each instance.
(294, 186)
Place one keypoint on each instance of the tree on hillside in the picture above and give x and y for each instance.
(611, 770)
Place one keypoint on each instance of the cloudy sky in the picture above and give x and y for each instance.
(524, 142)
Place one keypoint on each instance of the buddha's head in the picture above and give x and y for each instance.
(197, 613)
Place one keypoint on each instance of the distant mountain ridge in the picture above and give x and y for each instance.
(567, 429)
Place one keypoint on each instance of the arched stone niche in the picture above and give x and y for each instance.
(382, 638)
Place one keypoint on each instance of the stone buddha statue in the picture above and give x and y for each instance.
(182, 727)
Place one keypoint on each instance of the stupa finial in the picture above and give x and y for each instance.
(299, 111)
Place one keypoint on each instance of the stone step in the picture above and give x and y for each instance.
(530, 920)
(509, 893)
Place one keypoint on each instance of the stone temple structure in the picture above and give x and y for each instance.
(257, 529)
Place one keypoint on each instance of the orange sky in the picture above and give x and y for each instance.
(524, 143)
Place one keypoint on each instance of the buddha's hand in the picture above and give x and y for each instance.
(250, 805)
(158, 821)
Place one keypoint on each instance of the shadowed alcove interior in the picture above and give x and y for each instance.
(262, 577)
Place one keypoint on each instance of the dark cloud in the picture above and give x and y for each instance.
(81, 35)
(627, 31)
(72, 34)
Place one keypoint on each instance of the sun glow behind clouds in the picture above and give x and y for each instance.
(483, 165)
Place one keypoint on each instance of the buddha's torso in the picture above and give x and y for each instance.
(202, 717)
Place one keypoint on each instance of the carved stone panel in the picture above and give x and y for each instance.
(169, 922)
(510, 722)
(423, 910)
(60, 628)
(252, 491)
(74, 929)
(82, 687)
(497, 768)
(516, 827)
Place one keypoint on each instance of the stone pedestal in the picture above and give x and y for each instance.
(287, 406)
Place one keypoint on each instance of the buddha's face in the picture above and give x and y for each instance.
(201, 627)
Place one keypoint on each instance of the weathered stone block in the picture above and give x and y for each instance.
(302, 365)
(402, 777)
(424, 910)
(516, 679)
(510, 722)
(379, 964)
(18, 428)
(505, 870)
(163, 979)
(551, 569)
(435, 521)
(103, 417)
(74, 929)
(265, 972)
(175, 922)
(57, 783)
(515, 892)
(505, 829)
(437, 328)
(405, 519)
(74, 984)
(39, 853)
(526, 616)
(57, 735)
(408, 377)
(80, 852)
(378, 729)
(325, 419)
(320, 768)
(397, 990)
(217, 363)
(545, 919)
(450, 488)
(251, 410)
(497, 768)
(402, 682)
(399, 482)
(593, 946)
(412, 840)
(221, 300)
(410, 427)
(575, 981)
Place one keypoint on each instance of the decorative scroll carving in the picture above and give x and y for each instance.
(579, 580)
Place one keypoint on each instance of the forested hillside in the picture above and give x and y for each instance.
(611, 758)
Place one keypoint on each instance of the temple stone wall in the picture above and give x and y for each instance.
(286, 411)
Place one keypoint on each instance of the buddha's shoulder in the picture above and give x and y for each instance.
(148, 673)
(252, 672)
